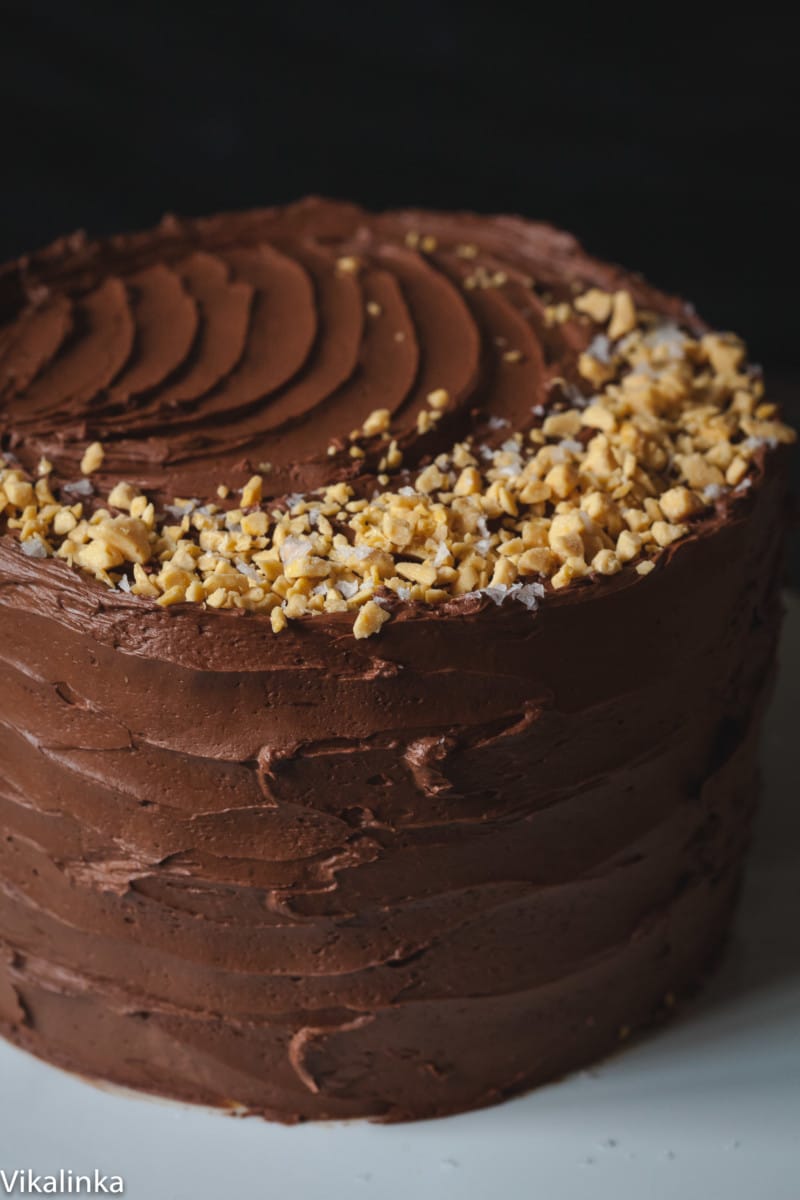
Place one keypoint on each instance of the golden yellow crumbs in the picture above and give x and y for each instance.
(369, 620)
(92, 459)
(377, 422)
(482, 278)
(439, 398)
(348, 264)
(251, 492)
(673, 425)
(595, 304)
(426, 420)
(557, 314)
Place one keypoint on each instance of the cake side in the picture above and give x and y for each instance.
(319, 875)
(495, 882)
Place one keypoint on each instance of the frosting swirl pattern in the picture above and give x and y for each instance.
(201, 351)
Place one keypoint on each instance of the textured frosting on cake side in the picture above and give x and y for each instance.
(318, 876)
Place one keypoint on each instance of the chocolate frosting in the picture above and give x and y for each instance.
(311, 876)
(200, 351)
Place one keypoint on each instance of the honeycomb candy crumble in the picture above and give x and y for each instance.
(672, 426)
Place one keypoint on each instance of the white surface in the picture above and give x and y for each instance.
(707, 1108)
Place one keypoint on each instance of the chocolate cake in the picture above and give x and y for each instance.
(388, 605)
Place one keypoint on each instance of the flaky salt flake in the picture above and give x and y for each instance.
(668, 337)
(530, 594)
(569, 391)
(755, 443)
(34, 547)
(500, 592)
(176, 511)
(442, 554)
(295, 547)
(600, 348)
(78, 487)
(246, 568)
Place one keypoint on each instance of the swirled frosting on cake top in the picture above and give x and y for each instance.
(319, 410)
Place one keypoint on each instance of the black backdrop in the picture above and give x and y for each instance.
(665, 140)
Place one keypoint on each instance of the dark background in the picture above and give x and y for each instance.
(666, 140)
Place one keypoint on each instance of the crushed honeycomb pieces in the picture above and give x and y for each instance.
(600, 485)
(92, 459)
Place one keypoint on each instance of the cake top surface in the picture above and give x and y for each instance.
(315, 410)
